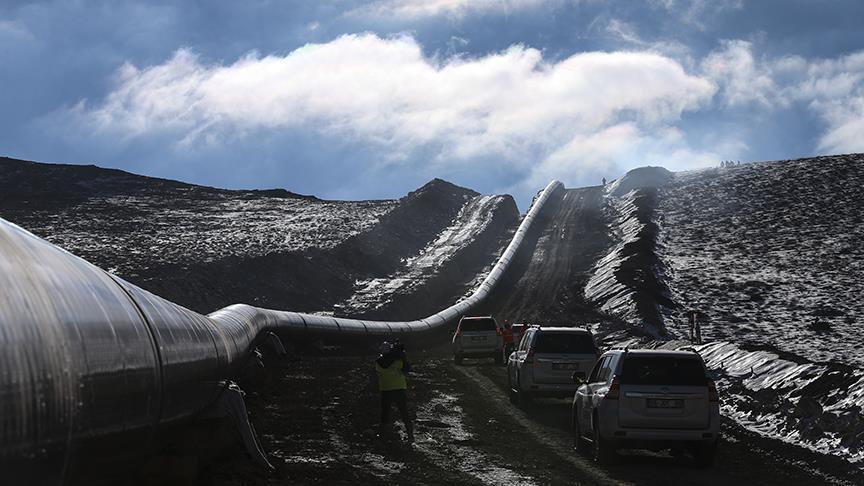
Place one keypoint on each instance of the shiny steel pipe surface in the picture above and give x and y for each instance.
(85, 354)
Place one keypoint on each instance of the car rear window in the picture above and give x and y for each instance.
(662, 370)
(472, 325)
(564, 342)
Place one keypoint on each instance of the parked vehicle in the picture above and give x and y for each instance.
(647, 399)
(546, 359)
(478, 337)
(512, 335)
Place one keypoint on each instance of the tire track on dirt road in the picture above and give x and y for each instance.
(555, 440)
(741, 460)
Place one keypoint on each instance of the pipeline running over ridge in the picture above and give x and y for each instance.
(85, 354)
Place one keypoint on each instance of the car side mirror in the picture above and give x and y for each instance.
(578, 377)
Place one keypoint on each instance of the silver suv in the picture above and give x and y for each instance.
(478, 337)
(647, 399)
(545, 361)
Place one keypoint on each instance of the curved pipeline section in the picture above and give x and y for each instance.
(84, 354)
(243, 322)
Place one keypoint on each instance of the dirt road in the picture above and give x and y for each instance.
(317, 415)
(317, 418)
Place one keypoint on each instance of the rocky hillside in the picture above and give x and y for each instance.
(206, 248)
(770, 255)
(768, 250)
(129, 223)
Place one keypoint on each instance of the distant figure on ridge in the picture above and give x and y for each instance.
(392, 367)
(695, 327)
(604, 181)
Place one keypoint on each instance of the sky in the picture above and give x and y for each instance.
(371, 99)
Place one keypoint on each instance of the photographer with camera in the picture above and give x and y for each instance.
(392, 367)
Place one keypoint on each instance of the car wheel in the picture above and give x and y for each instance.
(457, 359)
(510, 391)
(705, 454)
(603, 452)
(578, 441)
(523, 398)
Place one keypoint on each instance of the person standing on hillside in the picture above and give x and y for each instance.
(392, 366)
(695, 328)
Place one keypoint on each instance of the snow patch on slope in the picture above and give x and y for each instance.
(129, 233)
(771, 254)
(817, 405)
(629, 281)
(765, 250)
(473, 220)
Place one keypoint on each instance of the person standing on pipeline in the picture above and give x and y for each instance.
(392, 367)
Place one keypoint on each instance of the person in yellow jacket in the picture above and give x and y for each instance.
(392, 367)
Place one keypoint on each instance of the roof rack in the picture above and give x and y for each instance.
(626, 348)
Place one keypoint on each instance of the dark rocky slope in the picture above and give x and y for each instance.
(770, 254)
(766, 249)
(205, 248)
(629, 280)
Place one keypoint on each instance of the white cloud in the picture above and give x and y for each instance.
(833, 89)
(697, 13)
(619, 147)
(513, 107)
(15, 30)
(626, 33)
(413, 9)
(742, 79)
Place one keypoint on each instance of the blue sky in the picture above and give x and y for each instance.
(351, 99)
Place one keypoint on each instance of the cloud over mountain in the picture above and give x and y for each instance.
(369, 98)
(512, 106)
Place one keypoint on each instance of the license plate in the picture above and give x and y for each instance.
(478, 338)
(565, 366)
(665, 403)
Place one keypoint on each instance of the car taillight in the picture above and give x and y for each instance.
(529, 358)
(713, 396)
(614, 389)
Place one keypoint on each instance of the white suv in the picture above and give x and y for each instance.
(647, 399)
(544, 363)
(478, 337)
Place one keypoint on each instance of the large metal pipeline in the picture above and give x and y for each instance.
(243, 322)
(85, 354)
